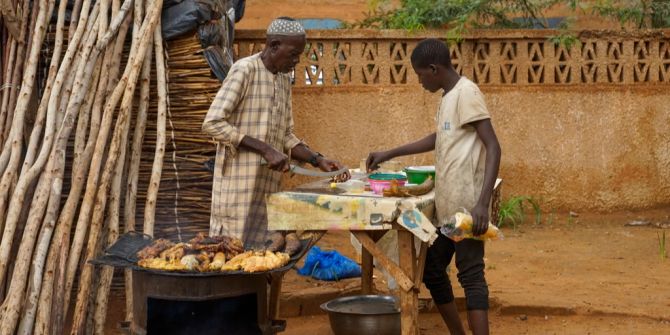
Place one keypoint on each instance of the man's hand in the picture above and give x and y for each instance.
(328, 165)
(276, 160)
(480, 219)
(376, 158)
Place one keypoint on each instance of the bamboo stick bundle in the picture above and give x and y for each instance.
(91, 189)
(27, 323)
(35, 140)
(26, 179)
(54, 280)
(56, 173)
(28, 319)
(44, 197)
(17, 128)
(130, 75)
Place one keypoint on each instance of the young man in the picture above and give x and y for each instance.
(251, 120)
(467, 156)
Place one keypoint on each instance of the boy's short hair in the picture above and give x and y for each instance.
(431, 51)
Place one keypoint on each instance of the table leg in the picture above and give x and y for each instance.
(418, 275)
(366, 271)
(409, 306)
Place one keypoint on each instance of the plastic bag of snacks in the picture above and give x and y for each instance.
(459, 227)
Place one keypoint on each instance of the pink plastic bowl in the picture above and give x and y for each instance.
(378, 186)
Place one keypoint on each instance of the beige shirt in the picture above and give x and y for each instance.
(460, 154)
(255, 102)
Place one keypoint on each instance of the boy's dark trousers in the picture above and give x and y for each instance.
(470, 265)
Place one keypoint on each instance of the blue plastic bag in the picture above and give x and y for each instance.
(329, 265)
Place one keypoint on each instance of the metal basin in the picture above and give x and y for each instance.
(363, 315)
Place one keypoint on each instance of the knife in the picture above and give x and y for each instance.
(311, 173)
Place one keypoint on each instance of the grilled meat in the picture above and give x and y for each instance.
(292, 244)
(176, 252)
(276, 241)
(155, 248)
(204, 253)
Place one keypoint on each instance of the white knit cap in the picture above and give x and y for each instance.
(284, 27)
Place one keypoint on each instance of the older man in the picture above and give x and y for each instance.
(252, 121)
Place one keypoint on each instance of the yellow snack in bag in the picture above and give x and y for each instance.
(459, 227)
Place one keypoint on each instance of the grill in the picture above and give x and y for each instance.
(172, 302)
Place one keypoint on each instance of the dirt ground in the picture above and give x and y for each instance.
(588, 274)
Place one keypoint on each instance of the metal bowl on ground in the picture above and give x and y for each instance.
(364, 315)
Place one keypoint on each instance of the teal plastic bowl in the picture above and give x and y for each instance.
(387, 176)
(419, 174)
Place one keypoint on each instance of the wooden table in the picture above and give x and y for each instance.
(368, 218)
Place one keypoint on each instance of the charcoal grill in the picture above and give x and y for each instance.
(152, 287)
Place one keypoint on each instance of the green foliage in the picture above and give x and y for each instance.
(457, 15)
(513, 211)
(566, 37)
(638, 13)
(460, 15)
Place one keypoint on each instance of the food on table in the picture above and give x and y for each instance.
(161, 264)
(409, 191)
(190, 262)
(215, 253)
(292, 244)
(176, 252)
(218, 262)
(276, 241)
(155, 248)
(257, 261)
(230, 246)
(339, 178)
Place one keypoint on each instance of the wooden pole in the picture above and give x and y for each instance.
(409, 309)
(154, 183)
(9, 114)
(136, 149)
(130, 208)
